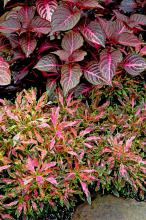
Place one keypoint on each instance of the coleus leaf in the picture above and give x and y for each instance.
(70, 76)
(40, 25)
(108, 64)
(5, 75)
(93, 74)
(94, 33)
(25, 15)
(72, 41)
(86, 191)
(47, 63)
(64, 18)
(28, 43)
(9, 26)
(46, 8)
(128, 39)
(134, 64)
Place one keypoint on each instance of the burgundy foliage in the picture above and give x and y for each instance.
(71, 42)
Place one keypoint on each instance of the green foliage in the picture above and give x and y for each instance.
(51, 152)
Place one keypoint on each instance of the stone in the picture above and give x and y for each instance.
(111, 208)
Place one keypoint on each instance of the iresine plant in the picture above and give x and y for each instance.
(50, 153)
(71, 42)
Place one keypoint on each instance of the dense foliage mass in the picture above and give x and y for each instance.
(52, 152)
(71, 41)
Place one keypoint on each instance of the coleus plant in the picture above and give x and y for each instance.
(51, 151)
(69, 42)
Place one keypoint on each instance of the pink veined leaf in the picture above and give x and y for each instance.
(77, 56)
(86, 191)
(72, 41)
(9, 26)
(138, 19)
(28, 43)
(11, 115)
(46, 8)
(4, 167)
(134, 64)
(93, 74)
(64, 18)
(14, 39)
(143, 51)
(107, 65)
(47, 63)
(128, 5)
(121, 16)
(118, 27)
(5, 45)
(129, 143)
(5, 74)
(12, 14)
(88, 4)
(52, 180)
(40, 25)
(70, 76)
(63, 55)
(128, 39)
(94, 33)
(25, 15)
(122, 170)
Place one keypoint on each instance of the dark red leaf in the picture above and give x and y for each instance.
(93, 75)
(47, 63)
(93, 32)
(134, 64)
(40, 25)
(72, 41)
(70, 76)
(9, 26)
(64, 18)
(28, 43)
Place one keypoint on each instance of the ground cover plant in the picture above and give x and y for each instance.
(70, 42)
(53, 153)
